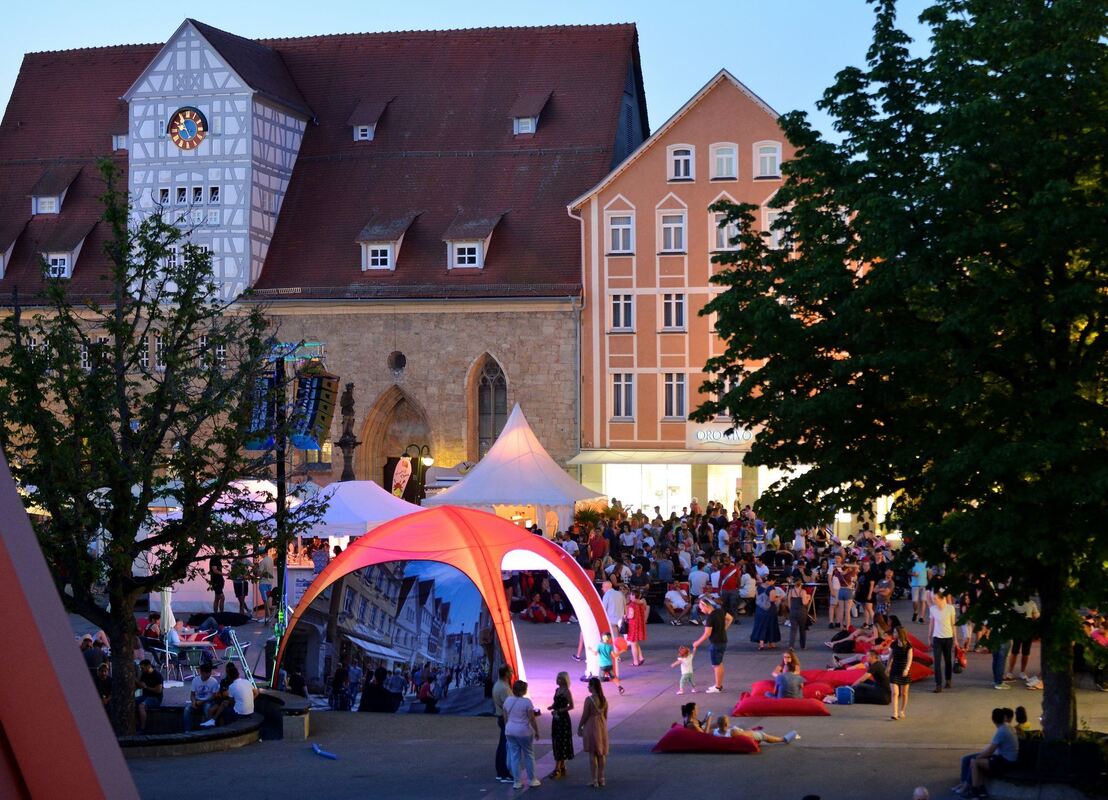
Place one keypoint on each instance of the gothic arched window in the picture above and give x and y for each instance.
(492, 405)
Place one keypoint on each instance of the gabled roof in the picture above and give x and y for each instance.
(529, 103)
(65, 235)
(55, 180)
(367, 112)
(660, 133)
(11, 226)
(382, 228)
(471, 226)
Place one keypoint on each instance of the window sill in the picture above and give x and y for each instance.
(620, 254)
(767, 177)
(681, 180)
(674, 419)
(673, 252)
(621, 419)
(621, 330)
(673, 330)
(725, 178)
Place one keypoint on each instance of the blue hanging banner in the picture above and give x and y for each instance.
(316, 393)
(263, 416)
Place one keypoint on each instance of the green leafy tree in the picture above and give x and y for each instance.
(141, 395)
(933, 327)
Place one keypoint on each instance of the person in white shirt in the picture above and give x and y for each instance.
(677, 604)
(722, 539)
(628, 539)
(760, 568)
(944, 637)
(698, 580)
(615, 604)
(685, 557)
(570, 546)
(201, 696)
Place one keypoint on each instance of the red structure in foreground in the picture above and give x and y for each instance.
(55, 740)
(479, 545)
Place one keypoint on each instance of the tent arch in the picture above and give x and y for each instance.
(479, 545)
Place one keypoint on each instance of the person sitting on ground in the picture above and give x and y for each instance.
(150, 680)
(873, 687)
(536, 611)
(201, 696)
(996, 759)
(103, 684)
(677, 604)
(562, 610)
(789, 683)
(724, 728)
(1022, 726)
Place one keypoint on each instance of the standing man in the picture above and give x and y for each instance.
(698, 579)
(216, 579)
(834, 583)
(943, 637)
(240, 579)
(715, 631)
(920, 574)
(266, 572)
(729, 586)
(615, 605)
(501, 691)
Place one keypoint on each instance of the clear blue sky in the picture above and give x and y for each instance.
(787, 51)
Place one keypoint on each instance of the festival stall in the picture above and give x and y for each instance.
(518, 480)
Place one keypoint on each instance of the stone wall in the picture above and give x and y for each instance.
(535, 343)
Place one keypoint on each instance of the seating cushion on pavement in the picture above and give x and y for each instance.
(812, 690)
(680, 739)
(753, 706)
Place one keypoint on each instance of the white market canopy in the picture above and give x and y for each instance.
(517, 471)
(355, 507)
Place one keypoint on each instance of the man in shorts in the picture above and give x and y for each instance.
(716, 623)
(919, 590)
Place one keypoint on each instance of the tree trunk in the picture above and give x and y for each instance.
(123, 635)
(1059, 703)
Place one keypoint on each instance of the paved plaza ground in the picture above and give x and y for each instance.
(857, 752)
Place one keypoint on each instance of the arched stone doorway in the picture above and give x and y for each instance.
(394, 421)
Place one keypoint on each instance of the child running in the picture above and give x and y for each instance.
(723, 728)
(609, 661)
(685, 658)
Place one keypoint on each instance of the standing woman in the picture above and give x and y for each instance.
(766, 632)
(900, 666)
(796, 598)
(521, 730)
(561, 731)
(636, 626)
(593, 730)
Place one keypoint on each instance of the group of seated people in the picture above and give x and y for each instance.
(537, 597)
(998, 757)
(722, 726)
(219, 702)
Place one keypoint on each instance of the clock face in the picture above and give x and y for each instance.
(187, 128)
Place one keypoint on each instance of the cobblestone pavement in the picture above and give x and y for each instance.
(857, 753)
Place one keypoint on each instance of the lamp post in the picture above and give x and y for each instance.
(421, 460)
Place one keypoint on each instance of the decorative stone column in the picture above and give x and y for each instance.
(348, 441)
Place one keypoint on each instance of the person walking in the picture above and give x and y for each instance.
(501, 691)
(900, 668)
(797, 598)
(943, 637)
(766, 631)
(593, 730)
(521, 730)
(636, 614)
(716, 623)
(561, 729)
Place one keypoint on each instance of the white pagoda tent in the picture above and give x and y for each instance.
(517, 476)
(356, 507)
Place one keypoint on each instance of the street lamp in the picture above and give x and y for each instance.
(421, 460)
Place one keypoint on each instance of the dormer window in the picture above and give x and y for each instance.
(380, 240)
(48, 193)
(363, 119)
(467, 240)
(119, 141)
(44, 205)
(57, 265)
(62, 247)
(526, 110)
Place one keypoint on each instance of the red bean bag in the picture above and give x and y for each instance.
(680, 739)
(815, 691)
(833, 677)
(753, 706)
(922, 657)
(918, 644)
(918, 672)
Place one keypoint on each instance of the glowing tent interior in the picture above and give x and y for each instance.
(479, 545)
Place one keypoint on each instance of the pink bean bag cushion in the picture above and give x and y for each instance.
(754, 706)
(815, 691)
(680, 739)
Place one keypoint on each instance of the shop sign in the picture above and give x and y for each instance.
(717, 436)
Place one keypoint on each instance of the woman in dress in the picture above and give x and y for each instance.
(767, 631)
(561, 731)
(636, 626)
(593, 730)
(900, 667)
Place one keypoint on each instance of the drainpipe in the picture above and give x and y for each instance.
(579, 307)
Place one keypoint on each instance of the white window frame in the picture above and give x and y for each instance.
(159, 352)
(59, 265)
(119, 141)
(371, 251)
(213, 216)
(623, 396)
(182, 195)
(675, 396)
(197, 195)
(144, 353)
(759, 173)
(730, 384)
(669, 227)
(676, 165)
(626, 231)
(776, 238)
(713, 161)
(45, 204)
(467, 260)
(623, 312)
(723, 237)
(197, 216)
(365, 133)
(674, 306)
(163, 196)
(213, 195)
(524, 125)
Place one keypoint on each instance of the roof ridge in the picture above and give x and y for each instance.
(92, 48)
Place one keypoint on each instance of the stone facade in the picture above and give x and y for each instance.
(534, 342)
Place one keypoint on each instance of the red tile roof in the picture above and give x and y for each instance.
(55, 179)
(444, 148)
(367, 112)
(529, 103)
